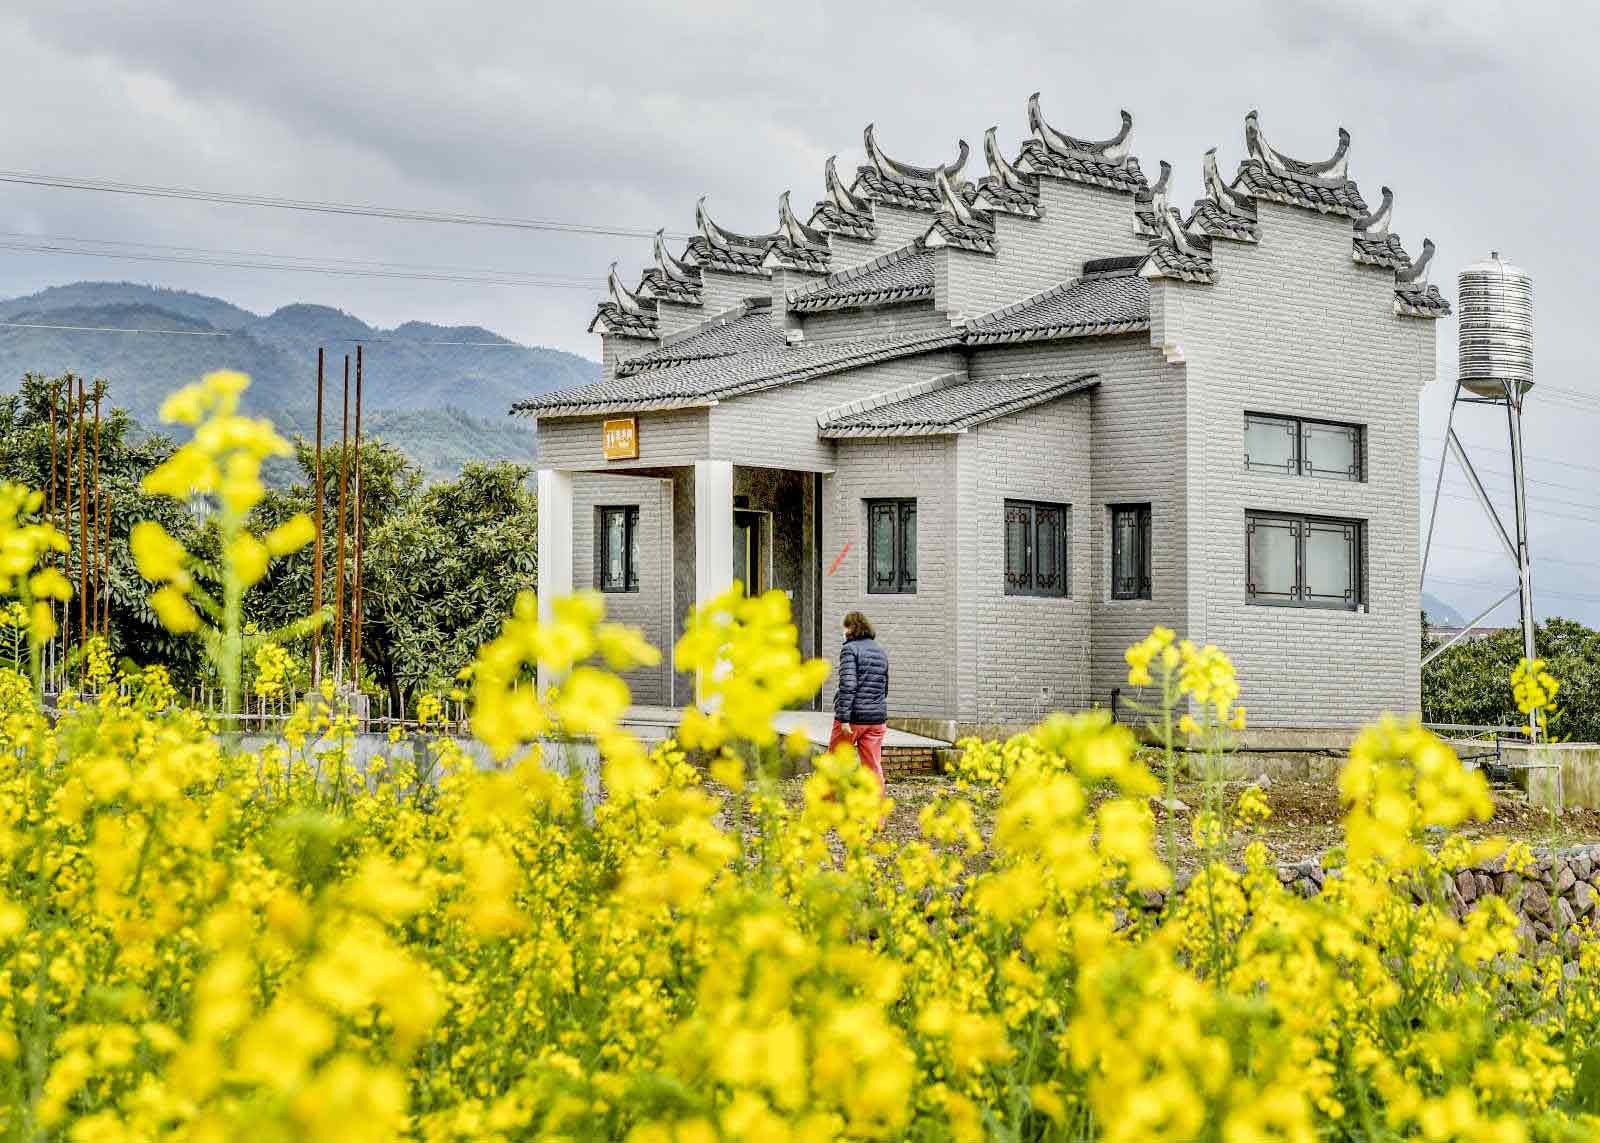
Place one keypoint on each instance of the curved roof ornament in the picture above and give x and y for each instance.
(839, 194)
(709, 230)
(667, 264)
(793, 229)
(1113, 150)
(622, 297)
(891, 169)
(1160, 189)
(1332, 171)
(1417, 272)
(1219, 192)
(950, 200)
(1376, 223)
(1002, 171)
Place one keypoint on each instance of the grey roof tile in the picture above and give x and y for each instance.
(1211, 221)
(1380, 250)
(876, 187)
(834, 219)
(1037, 158)
(705, 380)
(612, 318)
(1420, 301)
(948, 404)
(732, 259)
(1255, 179)
(1117, 301)
(654, 283)
(901, 275)
(749, 327)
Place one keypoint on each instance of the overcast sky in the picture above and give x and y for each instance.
(1479, 115)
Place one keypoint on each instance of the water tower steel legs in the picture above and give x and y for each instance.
(1519, 485)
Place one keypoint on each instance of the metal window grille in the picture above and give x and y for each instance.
(619, 548)
(1037, 548)
(892, 547)
(1130, 551)
(1294, 446)
(1305, 561)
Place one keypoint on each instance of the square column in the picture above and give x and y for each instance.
(713, 529)
(554, 489)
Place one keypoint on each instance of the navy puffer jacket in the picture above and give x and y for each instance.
(863, 694)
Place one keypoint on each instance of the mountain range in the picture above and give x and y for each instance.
(438, 393)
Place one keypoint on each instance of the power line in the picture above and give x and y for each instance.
(246, 333)
(1582, 596)
(319, 206)
(334, 271)
(307, 259)
(1501, 552)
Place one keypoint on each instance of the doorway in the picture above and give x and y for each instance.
(752, 554)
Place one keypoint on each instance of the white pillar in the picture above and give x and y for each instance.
(713, 536)
(555, 544)
(713, 529)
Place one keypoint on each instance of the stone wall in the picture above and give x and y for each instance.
(1559, 890)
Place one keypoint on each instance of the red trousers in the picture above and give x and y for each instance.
(868, 741)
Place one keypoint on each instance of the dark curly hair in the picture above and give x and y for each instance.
(857, 626)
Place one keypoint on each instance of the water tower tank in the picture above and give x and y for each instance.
(1495, 327)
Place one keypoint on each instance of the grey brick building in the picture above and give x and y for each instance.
(1018, 420)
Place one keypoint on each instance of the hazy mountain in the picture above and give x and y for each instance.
(439, 392)
(1440, 613)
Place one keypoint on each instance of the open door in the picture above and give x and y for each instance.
(750, 551)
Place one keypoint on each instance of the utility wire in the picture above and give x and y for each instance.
(319, 206)
(312, 260)
(247, 333)
(334, 271)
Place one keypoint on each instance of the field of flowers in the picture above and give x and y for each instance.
(199, 943)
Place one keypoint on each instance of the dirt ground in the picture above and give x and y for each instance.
(1304, 822)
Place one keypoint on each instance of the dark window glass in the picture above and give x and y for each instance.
(1298, 447)
(1037, 548)
(1304, 561)
(1130, 551)
(891, 546)
(619, 549)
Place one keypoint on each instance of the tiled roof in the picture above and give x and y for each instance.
(948, 404)
(1099, 303)
(1210, 221)
(705, 381)
(748, 327)
(1039, 159)
(1380, 250)
(835, 219)
(901, 275)
(1420, 301)
(1193, 265)
(875, 187)
(655, 283)
(995, 195)
(799, 256)
(611, 318)
(1327, 196)
(731, 259)
(976, 235)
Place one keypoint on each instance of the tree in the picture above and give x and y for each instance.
(1471, 682)
(441, 565)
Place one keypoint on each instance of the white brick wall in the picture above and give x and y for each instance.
(876, 321)
(1020, 656)
(674, 437)
(651, 606)
(918, 630)
(1294, 326)
(1077, 222)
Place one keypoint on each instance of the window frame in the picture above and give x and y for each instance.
(1143, 551)
(1301, 524)
(903, 580)
(630, 549)
(1301, 466)
(1028, 585)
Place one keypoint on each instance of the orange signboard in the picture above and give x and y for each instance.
(621, 438)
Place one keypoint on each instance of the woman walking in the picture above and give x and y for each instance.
(861, 704)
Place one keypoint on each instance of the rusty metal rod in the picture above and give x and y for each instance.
(316, 551)
(355, 592)
(83, 514)
(98, 586)
(338, 580)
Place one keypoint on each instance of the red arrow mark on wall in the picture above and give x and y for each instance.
(839, 559)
